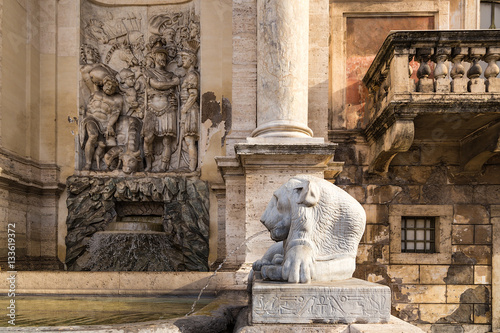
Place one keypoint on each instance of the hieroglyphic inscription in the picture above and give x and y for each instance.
(305, 304)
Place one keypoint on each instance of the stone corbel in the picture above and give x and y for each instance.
(396, 139)
(229, 166)
(476, 149)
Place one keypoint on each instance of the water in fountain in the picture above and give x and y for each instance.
(133, 251)
(220, 266)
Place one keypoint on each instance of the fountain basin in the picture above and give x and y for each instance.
(78, 310)
(212, 318)
(123, 283)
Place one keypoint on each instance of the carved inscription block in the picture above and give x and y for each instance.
(347, 301)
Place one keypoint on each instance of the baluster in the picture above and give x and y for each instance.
(383, 85)
(476, 84)
(491, 72)
(425, 84)
(411, 81)
(459, 82)
(371, 104)
(441, 81)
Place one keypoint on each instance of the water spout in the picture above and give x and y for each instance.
(220, 266)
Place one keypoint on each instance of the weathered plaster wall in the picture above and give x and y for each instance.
(67, 54)
(28, 174)
(343, 113)
(215, 99)
(365, 36)
(15, 71)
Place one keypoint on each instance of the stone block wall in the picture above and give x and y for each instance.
(450, 291)
(29, 193)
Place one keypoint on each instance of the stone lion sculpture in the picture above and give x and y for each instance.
(317, 227)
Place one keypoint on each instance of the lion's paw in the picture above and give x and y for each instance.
(257, 265)
(298, 266)
(272, 272)
(277, 259)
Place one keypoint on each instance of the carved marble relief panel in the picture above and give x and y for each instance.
(345, 301)
(139, 89)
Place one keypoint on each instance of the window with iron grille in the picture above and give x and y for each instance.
(418, 234)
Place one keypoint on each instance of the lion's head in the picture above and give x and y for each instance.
(315, 211)
(285, 204)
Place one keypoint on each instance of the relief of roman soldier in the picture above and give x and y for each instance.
(139, 101)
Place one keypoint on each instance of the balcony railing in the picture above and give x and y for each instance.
(424, 82)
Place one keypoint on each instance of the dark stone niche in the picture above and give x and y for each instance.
(137, 224)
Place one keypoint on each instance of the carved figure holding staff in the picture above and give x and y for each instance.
(189, 111)
(160, 119)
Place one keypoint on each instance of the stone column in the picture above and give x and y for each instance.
(282, 68)
(282, 145)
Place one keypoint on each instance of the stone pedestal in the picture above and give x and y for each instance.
(253, 175)
(348, 301)
(266, 168)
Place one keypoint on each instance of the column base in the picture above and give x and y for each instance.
(284, 140)
(283, 129)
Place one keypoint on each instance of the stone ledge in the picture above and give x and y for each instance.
(285, 155)
(122, 283)
(27, 175)
(137, 2)
(347, 301)
(395, 325)
(286, 148)
(217, 316)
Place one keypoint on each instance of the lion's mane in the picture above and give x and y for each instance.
(336, 222)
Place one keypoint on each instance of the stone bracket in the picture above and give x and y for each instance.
(229, 166)
(396, 139)
(477, 148)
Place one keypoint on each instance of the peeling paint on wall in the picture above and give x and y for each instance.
(215, 113)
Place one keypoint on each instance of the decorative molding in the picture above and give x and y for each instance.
(137, 2)
(25, 175)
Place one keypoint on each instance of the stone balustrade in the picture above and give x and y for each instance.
(419, 79)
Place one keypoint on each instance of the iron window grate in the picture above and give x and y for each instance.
(418, 234)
